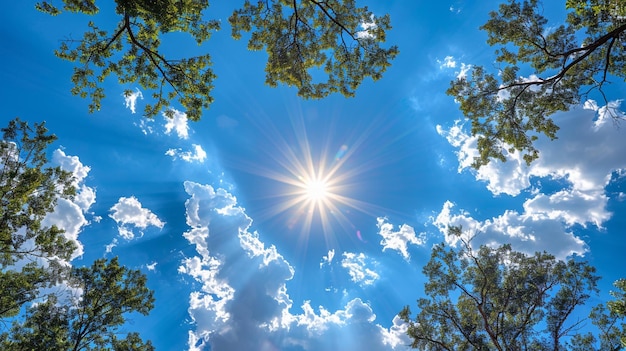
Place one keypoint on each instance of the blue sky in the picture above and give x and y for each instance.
(209, 210)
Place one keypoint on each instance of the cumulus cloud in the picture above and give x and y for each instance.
(398, 240)
(129, 215)
(176, 123)
(242, 301)
(130, 99)
(585, 156)
(197, 155)
(356, 264)
(69, 214)
(525, 233)
(85, 196)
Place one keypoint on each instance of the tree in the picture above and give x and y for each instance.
(500, 299)
(303, 39)
(91, 321)
(29, 189)
(568, 62)
(33, 257)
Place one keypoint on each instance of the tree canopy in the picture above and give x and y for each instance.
(29, 189)
(304, 40)
(91, 320)
(500, 299)
(34, 257)
(566, 63)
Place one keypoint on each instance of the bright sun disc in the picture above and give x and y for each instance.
(316, 190)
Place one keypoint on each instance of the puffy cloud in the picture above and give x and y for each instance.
(242, 302)
(585, 156)
(197, 155)
(128, 213)
(69, 214)
(357, 268)
(398, 240)
(177, 123)
(526, 233)
(130, 99)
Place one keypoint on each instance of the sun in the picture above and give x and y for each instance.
(312, 182)
(315, 190)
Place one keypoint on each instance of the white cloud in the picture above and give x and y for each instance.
(398, 240)
(129, 214)
(366, 26)
(242, 302)
(450, 62)
(177, 123)
(525, 233)
(357, 268)
(151, 266)
(130, 99)
(447, 62)
(109, 248)
(69, 214)
(328, 259)
(462, 73)
(197, 155)
(586, 154)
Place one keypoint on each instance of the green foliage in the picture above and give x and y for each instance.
(91, 322)
(301, 37)
(507, 111)
(131, 52)
(33, 257)
(500, 299)
(29, 189)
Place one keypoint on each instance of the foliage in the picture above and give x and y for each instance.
(302, 35)
(34, 257)
(569, 61)
(29, 189)
(500, 299)
(92, 320)
(299, 36)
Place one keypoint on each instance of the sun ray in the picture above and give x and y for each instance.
(314, 182)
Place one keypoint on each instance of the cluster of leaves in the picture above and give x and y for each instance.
(89, 321)
(508, 112)
(28, 192)
(131, 52)
(299, 36)
(34, 257)
(500, 299)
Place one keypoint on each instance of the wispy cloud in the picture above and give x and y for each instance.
(130, 99)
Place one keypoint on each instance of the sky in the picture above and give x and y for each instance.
(217, 213)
